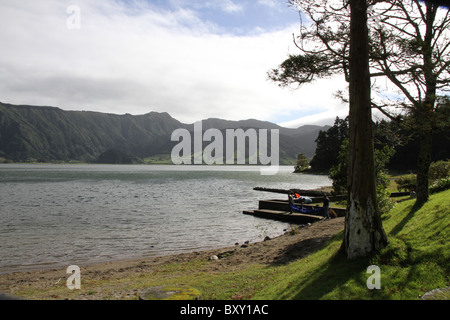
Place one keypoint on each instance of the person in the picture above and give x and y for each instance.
(299, 198)
(326, 207)
(291, 202)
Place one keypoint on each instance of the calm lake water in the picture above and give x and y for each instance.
(59, 215)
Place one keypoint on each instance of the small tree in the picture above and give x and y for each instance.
(338, 174)
(328, 145)
(302, 163)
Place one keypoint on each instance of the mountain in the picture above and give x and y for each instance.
(46, 134)
(292, 141)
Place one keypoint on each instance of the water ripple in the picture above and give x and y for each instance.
(57, 215)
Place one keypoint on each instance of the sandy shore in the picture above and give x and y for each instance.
(282, 249)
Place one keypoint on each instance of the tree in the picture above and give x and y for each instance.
(409, 44)
(338, 174)
(412, 49)
(363, 229)
(302, 163)
(328, 144)
(347, 50)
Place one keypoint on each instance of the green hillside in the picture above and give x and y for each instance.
(416, 260)
(49, 134)
(29, 133)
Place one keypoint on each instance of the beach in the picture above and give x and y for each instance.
(110, 280)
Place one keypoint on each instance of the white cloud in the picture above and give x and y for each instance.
(136, 60)
(268, 3)
(229, 6)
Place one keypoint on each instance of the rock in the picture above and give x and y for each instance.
(267, 238)
(214, 257)
(225, 254)
(437, 294)
(6, 297)
(170, 292)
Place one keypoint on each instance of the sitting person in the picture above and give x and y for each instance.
(326, 207)
(291, 202)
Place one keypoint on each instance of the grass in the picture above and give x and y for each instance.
(158, 159)
(415, 261)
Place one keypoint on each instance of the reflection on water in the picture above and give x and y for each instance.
(57, 215)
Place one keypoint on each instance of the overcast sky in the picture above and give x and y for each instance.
(194, 59)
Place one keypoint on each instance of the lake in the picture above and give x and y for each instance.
(55, 215)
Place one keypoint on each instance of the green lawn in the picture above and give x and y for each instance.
(415, 261)
(158, 159)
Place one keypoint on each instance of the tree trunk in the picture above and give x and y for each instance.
(423, 166)
(363, 229)
(424, 119)
(425, 111)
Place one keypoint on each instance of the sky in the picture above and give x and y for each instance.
(195, 59)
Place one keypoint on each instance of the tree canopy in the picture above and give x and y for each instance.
(409, 60)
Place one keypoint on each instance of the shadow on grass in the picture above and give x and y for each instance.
(301, 249)
(416, 207)
(334, 274)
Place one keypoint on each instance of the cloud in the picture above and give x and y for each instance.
(140, 58)
(229, 6)
(269, 3)
(226, 6)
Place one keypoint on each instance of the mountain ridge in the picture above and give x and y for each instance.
(46, 134)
